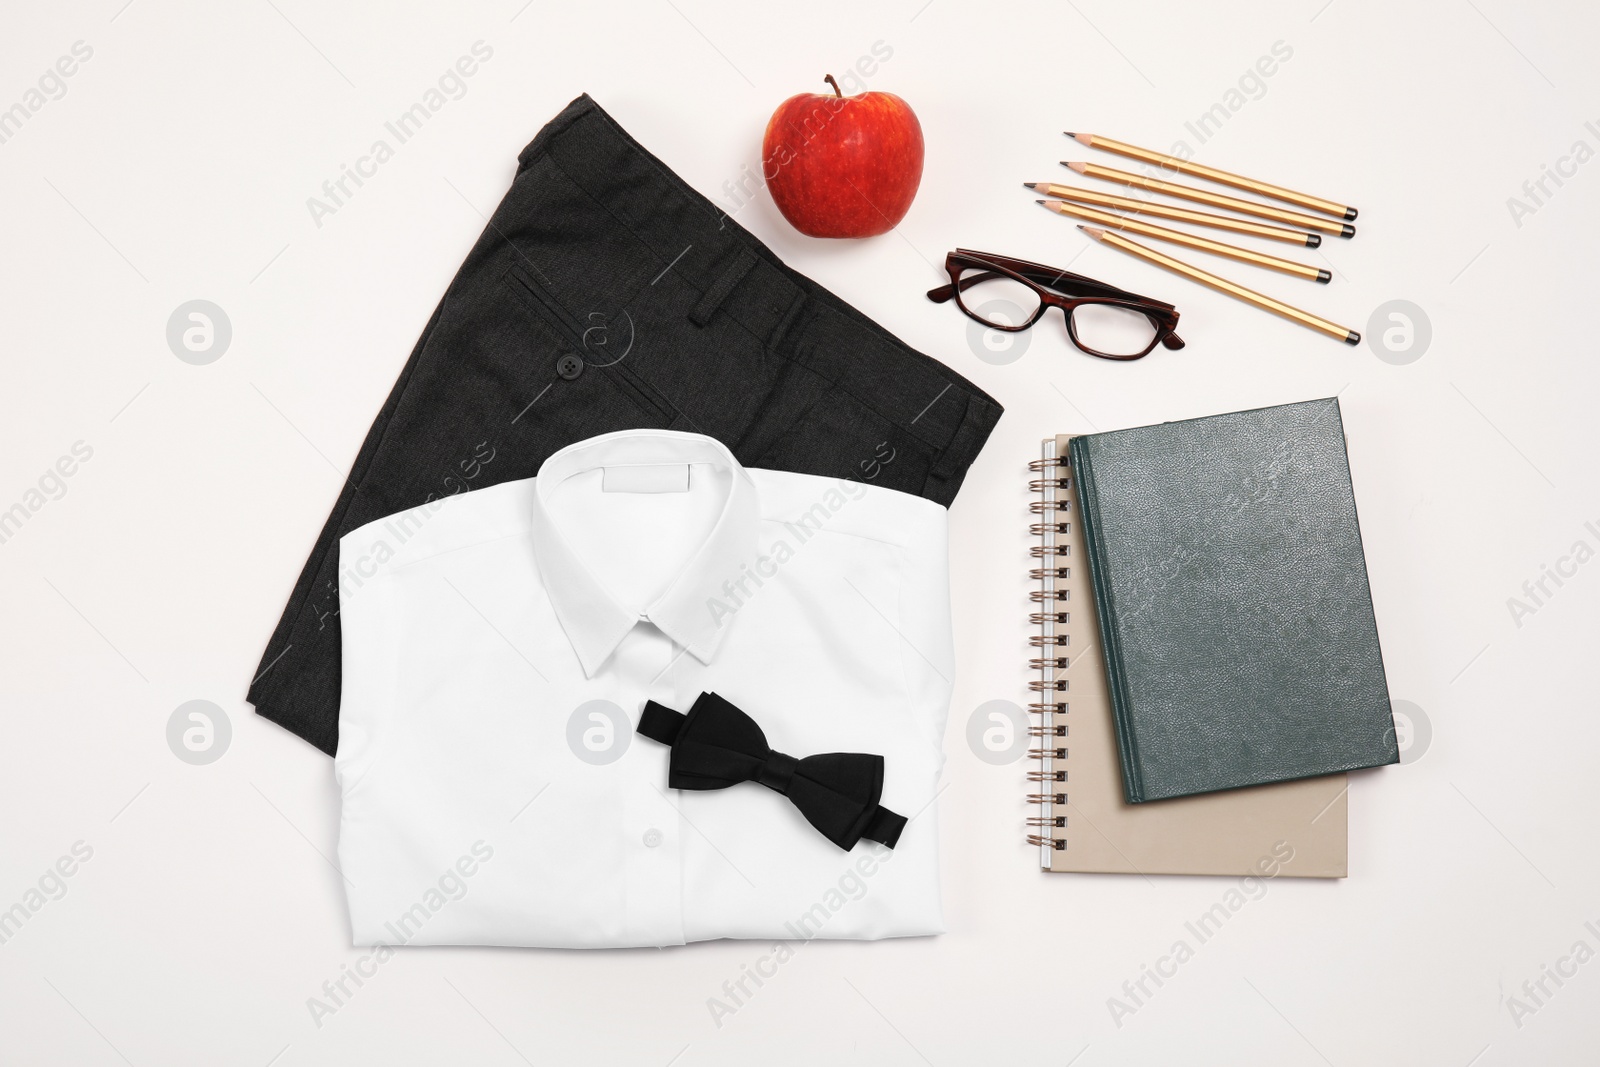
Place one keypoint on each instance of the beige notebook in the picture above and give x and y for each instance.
(1082, 823)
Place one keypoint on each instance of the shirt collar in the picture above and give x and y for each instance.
(590, 616)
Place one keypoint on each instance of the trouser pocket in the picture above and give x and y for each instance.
(597, 344)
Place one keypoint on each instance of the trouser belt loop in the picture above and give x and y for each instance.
(732, 274)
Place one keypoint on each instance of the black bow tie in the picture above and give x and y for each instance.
(717, 745)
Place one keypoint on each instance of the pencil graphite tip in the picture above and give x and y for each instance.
(1077, 165)
(1069, 133)
(1037, 187)
(1093, 231)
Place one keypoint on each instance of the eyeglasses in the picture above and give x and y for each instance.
(1012, 294)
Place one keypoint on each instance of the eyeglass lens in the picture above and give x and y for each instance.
(997, 299)
(1116, 331)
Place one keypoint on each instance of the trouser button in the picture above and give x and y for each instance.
(569, 366)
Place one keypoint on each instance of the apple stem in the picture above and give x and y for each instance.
(836, 92)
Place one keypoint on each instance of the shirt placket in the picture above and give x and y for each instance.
(651, 837)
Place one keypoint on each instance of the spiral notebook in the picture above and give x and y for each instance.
(1081, 821)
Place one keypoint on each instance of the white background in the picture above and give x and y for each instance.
(177, 166)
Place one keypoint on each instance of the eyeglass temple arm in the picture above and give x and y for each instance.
(945, 292)
(1048, 275)
(1054, 278)
(1040, 270)
(1061, 279)
(1032, 271)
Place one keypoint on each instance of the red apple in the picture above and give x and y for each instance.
(843, 166)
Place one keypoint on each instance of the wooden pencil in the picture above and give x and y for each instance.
(1178, 214)
(1222, 285)
(1189, 240)
(1200, 170)
(1297, 219)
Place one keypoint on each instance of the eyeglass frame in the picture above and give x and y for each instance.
(1041, 279)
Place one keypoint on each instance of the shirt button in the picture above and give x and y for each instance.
(569, 366)
(652, 837)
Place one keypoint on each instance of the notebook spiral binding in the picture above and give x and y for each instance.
(1048, 710)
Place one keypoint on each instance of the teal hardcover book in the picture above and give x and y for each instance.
(1235, 615)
